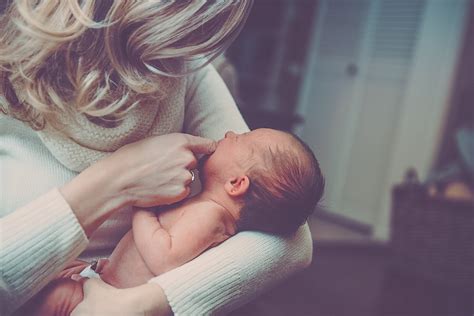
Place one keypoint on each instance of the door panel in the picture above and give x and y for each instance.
(363, 52)
(329, 98)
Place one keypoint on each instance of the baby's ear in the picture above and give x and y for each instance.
(237, 186)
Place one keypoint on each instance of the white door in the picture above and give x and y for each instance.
(364, 58)
(332, 84)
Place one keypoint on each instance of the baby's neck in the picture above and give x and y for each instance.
(218, 201)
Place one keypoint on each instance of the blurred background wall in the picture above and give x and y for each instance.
(383, 92)
(375, 87)
(368, 84)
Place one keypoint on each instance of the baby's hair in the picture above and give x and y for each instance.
(104, 57)
(284, 190)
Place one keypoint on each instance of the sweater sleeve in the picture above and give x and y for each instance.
(235, 272)
(36, 242)
(210, 108)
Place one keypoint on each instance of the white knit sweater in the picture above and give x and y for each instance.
(39, 233)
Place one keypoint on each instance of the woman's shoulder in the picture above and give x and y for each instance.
(196, 71)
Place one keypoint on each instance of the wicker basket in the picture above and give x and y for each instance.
(432, 238)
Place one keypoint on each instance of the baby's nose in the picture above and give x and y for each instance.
(229, 134)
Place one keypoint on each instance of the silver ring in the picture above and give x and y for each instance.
(192, 175)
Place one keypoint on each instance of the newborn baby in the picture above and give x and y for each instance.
(263, 180)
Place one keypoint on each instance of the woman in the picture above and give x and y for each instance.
(93, 93)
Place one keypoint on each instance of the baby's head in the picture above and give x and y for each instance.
(271, 175)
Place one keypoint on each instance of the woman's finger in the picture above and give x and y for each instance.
(76, 263)
(185, 191)
(101, 299)
(200, 145)
(192, 164)
(189, 176)
(78, 278)
(73, 268)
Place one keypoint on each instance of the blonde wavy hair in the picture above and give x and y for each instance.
(102, 58)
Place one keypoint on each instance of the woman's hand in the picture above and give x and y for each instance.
(72, 268)
(156, 170)
(153, 171)
(103, 299)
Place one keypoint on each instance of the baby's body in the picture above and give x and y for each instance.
(161, 241)
(269, 172)
(158, 242)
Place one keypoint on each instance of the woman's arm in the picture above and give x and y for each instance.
(39, 239)
(231, 274)
(103, 299)
(235, 272)
(149, 172)
(36, 242)
(217, 282)
(210, 108)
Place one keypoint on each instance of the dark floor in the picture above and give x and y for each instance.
(358, 280)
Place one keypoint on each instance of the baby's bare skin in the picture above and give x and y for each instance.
(159, 242)
(132, 264)
(155, 244)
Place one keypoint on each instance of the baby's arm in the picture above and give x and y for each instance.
(164, 250)
(145, 225)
